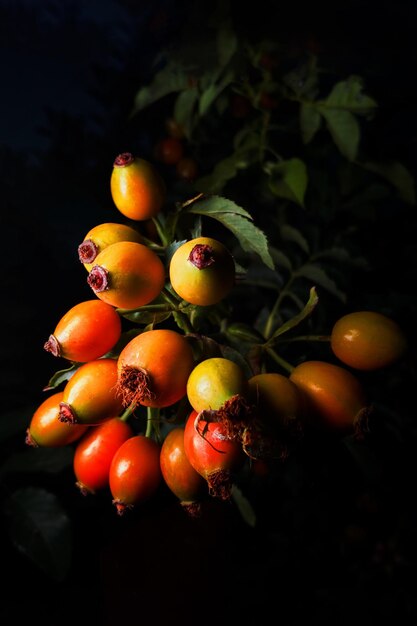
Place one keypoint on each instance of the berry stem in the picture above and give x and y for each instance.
(304, 338)
(278, 359)
(128, 412)
(152, 422)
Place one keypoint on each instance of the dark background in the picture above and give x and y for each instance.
(69, 72)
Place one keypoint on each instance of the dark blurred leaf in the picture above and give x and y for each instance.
(345, 131)
(184, 109)
(171, 78)
(310, 121)
(288, 179)
(317, 275)
(244, 506)
(290, 233)
(398, 175)
(40, 529)
(348, 94)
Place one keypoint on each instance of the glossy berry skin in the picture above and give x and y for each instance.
(367, 340)
(85, 332)
(153, 368)
(202, 271)
(214, 381)
(135, 472)
(334, 397)
(178, 473)
(276, 398)
(137, 188)
(101, 236)
(90, 396)
(127, 275)
(45, 428)
(95, 451)
(212, 454)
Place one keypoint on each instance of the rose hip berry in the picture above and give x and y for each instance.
(135, 472)
(95, 451)
(45, 428)
(127, 275)
(86, 332)
(153, 368)
(212, 453)
(367, 340)
(90, 396)
(101, 236)
(202, 271)
(178, 473)
(137, 188)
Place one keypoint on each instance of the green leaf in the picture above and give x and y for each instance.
(212, 92)
(250, 237)
(217, 204)
(288, 179)
(228, 352)
(398, 175)
(61, 376)
(344, 129)
(310, 121)
(238, 221)
(290, 233)
(214, 182)
(171, 78)
(40, 529)
(297, 319)
(226, 44)
(317, 275)
(184, 107)
(244, 332)
(348, 94)
(43, 460)
(244, 506)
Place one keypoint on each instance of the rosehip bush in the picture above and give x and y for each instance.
(224, 339)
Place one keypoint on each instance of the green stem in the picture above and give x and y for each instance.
(270, 321)
(160, 231)
(128, 412)
(153, 423)
(149, 422)
(173, 300)
(303, 338)
(281, 362)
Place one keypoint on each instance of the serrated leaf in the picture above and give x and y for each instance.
(288, 179)
(290, 233)
(310, 121)
(344, 129)
(61, 376)
(238, 221)
(244, 506)
(40, 529)
(297, 319)
(42, 460)
(318, 276)
(398, 175)
(348, 94)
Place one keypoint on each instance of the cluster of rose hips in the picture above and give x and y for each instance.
(205, 418)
